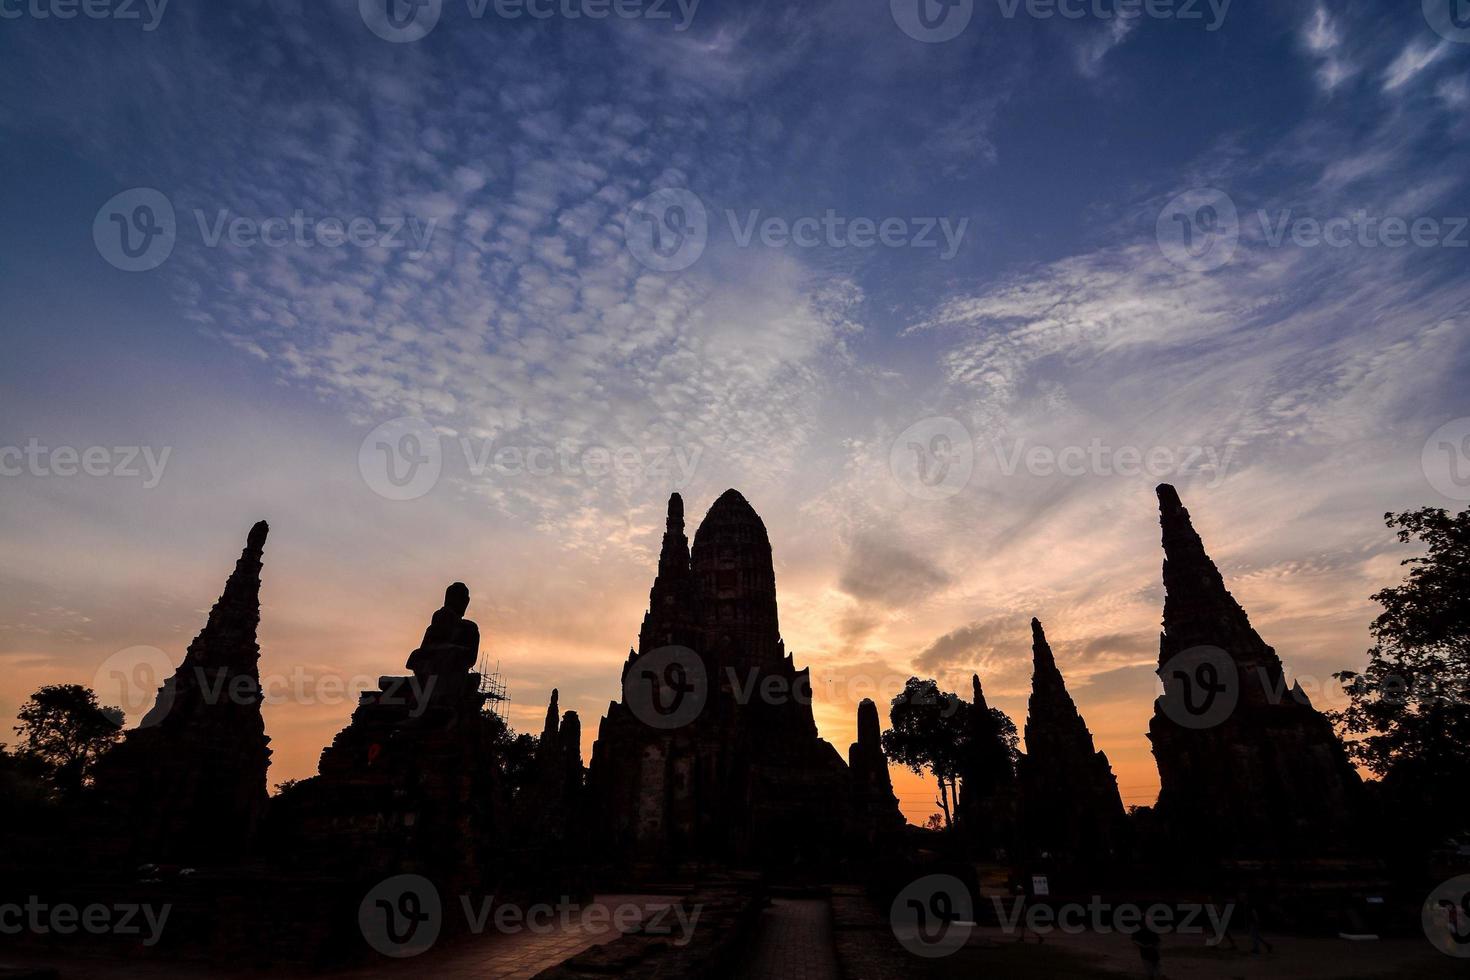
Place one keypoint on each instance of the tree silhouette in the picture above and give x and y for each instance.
(64, 727)
(929, 731)
(1409, 707)
(1008, 735)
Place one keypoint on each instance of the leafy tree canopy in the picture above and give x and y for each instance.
(929, 731)
(1410, 707)
(64, 727)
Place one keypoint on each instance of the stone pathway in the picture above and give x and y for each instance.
(792, 942)
(492, 956)
(523, 954)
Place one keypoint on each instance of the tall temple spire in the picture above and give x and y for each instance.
(738, 775)
(670, 599)
(190, 781)
(1247, 768)
(1199, 610)
(553, 713)
(735, 580)
(1041, 655)
(255, 540)
(868, 729)
(988, 806)
(1185, 559)
(1073, 806)
(875, 813)
(570, 735)
(230, 631)
(1053, 716)
(991, 762)
(225, 649)
(1045, 677)
(1183, 548)
(674, 556)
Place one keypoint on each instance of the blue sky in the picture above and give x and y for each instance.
(511, 312)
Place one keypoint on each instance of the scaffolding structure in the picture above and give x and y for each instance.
(493, 687)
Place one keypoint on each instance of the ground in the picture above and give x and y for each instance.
(795, 941)
(991, 952)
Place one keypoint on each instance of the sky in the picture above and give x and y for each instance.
(465, 292)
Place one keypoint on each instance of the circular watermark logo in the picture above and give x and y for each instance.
(401, 459)
(667, 688)
(1446, 917)
(934, 916)
(934, 458)
(932, 21)
(1446, 459)
(1449, 18)
(401, 21)
(136, 230)
(1201, 687)
(667, 230)
(402, 916)
(1199, 229)
(135, 680)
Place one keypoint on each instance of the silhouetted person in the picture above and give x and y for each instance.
(1225, 935)
(1149, 943)
(1253, 922)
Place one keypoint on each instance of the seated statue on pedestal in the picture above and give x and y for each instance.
(450, 647)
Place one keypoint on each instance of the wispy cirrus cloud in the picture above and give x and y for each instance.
(1322, 37)
(1411, 61)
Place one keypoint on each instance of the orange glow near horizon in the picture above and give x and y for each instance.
(327, 632)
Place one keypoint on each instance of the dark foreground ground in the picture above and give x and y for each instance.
(816, 937)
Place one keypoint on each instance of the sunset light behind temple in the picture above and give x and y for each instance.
(537, 399)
